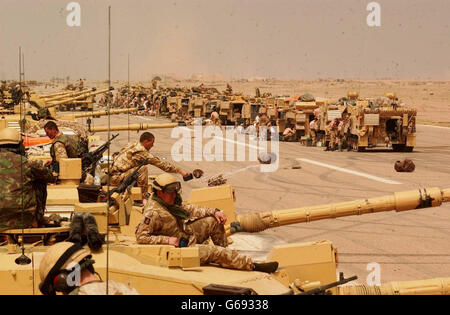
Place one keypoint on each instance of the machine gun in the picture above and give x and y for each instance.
(322, 290)
(90, 159)
(130, 181)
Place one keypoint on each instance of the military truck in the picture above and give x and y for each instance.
(383, 122)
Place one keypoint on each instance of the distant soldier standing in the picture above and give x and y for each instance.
(342, 133)
(167, 220)
(331, 131)
(130, 157)
(313, 130)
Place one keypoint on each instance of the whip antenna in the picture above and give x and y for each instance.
(23, 259)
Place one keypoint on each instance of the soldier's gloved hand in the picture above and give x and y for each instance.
(174, 241)
(220, 216)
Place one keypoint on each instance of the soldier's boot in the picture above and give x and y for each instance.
(268, 267)
(340, 147)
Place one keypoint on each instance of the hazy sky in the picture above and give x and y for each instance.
(237, 38)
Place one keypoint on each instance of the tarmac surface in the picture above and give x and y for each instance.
(410, 245)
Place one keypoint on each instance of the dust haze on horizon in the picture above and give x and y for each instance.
(286, 39)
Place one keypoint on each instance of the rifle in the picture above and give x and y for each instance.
(90, 159)
(322, 290)
(130, 181)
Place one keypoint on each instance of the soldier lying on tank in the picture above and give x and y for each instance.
(69, 269)
(23, 185)
(132, 155)
(167, 220)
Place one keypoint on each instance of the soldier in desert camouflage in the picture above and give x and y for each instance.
(129, 158)
(23, 185)
(167, 220)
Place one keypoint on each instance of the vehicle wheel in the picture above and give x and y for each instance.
(409, 149)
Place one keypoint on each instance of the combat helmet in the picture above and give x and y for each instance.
(58, 263)
(166, 183)
(9, 136)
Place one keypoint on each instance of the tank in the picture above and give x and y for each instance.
(304, 268)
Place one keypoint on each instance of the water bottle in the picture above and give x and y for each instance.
(97, 179)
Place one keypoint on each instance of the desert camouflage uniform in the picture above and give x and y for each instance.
(19, 177)
(332, 130)
(158, 225)
(63, 147)
(313, 129)
(342, 133)
(99, 288)
(263, 122)
(129, 159)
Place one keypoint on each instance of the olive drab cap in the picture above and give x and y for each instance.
(54, 253)
(9, 136)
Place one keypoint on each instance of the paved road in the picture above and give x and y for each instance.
(408, 246)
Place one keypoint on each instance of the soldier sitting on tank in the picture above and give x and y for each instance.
(167, 220)
(23, 184)
(63, 146)
(58, 272)
(131, 156)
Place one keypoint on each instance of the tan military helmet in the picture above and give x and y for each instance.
(352, 95)
(390, 95)
(166, 180)
(9, 136)
(54, 253)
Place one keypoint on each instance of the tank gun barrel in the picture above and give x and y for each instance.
(85, 95)
(105, 112)
(68, 95)
(136, 127)
(438, 286)
(399, 201)
(54, 94)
